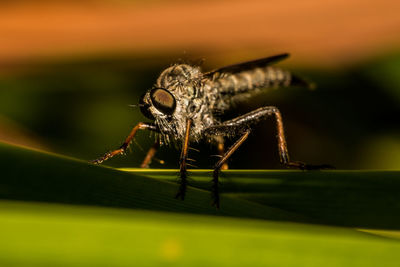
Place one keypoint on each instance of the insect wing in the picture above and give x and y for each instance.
(248, 65)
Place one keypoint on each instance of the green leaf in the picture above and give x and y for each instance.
(59, 235)
(38, 176)
(347, 198)
(141, 224)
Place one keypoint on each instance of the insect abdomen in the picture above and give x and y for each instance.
(255, 80)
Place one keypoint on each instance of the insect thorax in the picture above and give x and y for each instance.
(186, 84)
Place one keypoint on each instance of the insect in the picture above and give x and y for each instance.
(184, 105)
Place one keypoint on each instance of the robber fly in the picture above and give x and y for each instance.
(185, 103)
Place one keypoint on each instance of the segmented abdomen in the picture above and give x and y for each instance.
(252, 80)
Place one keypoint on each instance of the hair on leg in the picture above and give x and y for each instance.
(246, 121)
(128, 140)
(182, 163)
(220, 163)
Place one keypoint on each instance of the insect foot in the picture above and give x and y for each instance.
(107, 156)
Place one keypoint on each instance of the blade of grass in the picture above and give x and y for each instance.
(38, 176)
(59, 235)
(366, 199)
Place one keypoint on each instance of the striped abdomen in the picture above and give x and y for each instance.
(253, 80)
(233, 87)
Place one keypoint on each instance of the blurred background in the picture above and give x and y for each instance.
(70, 69)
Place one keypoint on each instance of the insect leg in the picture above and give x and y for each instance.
(150, 154)
(245, 121)
(128, 140)
(220, 163)
(182, 162)
(221, 150)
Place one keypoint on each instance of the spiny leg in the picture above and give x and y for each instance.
(220, 163)
(283, 150)
(249, 119)
(128, 140)
(150, 154)
(182, 162)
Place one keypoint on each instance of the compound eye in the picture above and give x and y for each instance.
(163, 100)
(144, 108)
